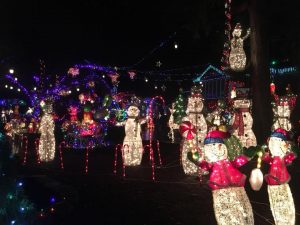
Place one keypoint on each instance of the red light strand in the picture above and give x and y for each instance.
(151, 157)
(61, 155)
(158, 152)
(120, 148)
(37, 142)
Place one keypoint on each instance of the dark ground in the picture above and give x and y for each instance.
(103, 198)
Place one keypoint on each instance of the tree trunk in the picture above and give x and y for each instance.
(260, 79)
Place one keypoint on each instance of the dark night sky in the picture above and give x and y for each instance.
(107, 32)
(120, 32)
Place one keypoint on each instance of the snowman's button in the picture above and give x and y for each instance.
(245, 115)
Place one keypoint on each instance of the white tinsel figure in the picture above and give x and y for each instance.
(47, 139)
(3, 117)
(196, 118)
(282, 108)
(231, 203)
(237, 56)
(242, 122)
(280, 196)
(132, 144)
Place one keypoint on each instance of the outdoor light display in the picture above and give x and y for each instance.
(242, 122)
(47, 139)
(237, 56)
(282, 108)
(280, 196)
(196, 118)
(132, 144)
(172, 125)
(87, 133)
(231, 203)
(216, 118)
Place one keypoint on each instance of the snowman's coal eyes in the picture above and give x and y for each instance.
(214, 144)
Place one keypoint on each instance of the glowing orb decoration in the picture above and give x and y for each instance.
(272, 88)
(237, 56)
(256, 179)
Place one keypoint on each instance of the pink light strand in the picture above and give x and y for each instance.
(61, 155)
(87, 159)
(26, 149)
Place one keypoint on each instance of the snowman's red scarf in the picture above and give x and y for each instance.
(239, 121)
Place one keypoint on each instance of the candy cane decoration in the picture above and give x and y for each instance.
(150, 121)
(151, 157)
(120, 148)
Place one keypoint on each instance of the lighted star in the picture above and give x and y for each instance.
(29, 111)
(114, 78)
(131, 74)
(158, 63)
(73, 71)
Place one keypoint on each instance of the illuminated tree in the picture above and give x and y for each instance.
(179, 109)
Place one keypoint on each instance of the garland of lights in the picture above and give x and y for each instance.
(226, 47)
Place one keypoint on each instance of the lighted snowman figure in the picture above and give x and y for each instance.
(47, 139)
(280, 196)
(231, 203)
(132, 144)
(282, 109)
(196, 118)
(3, 117)
(237, 56)
(242, 122)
